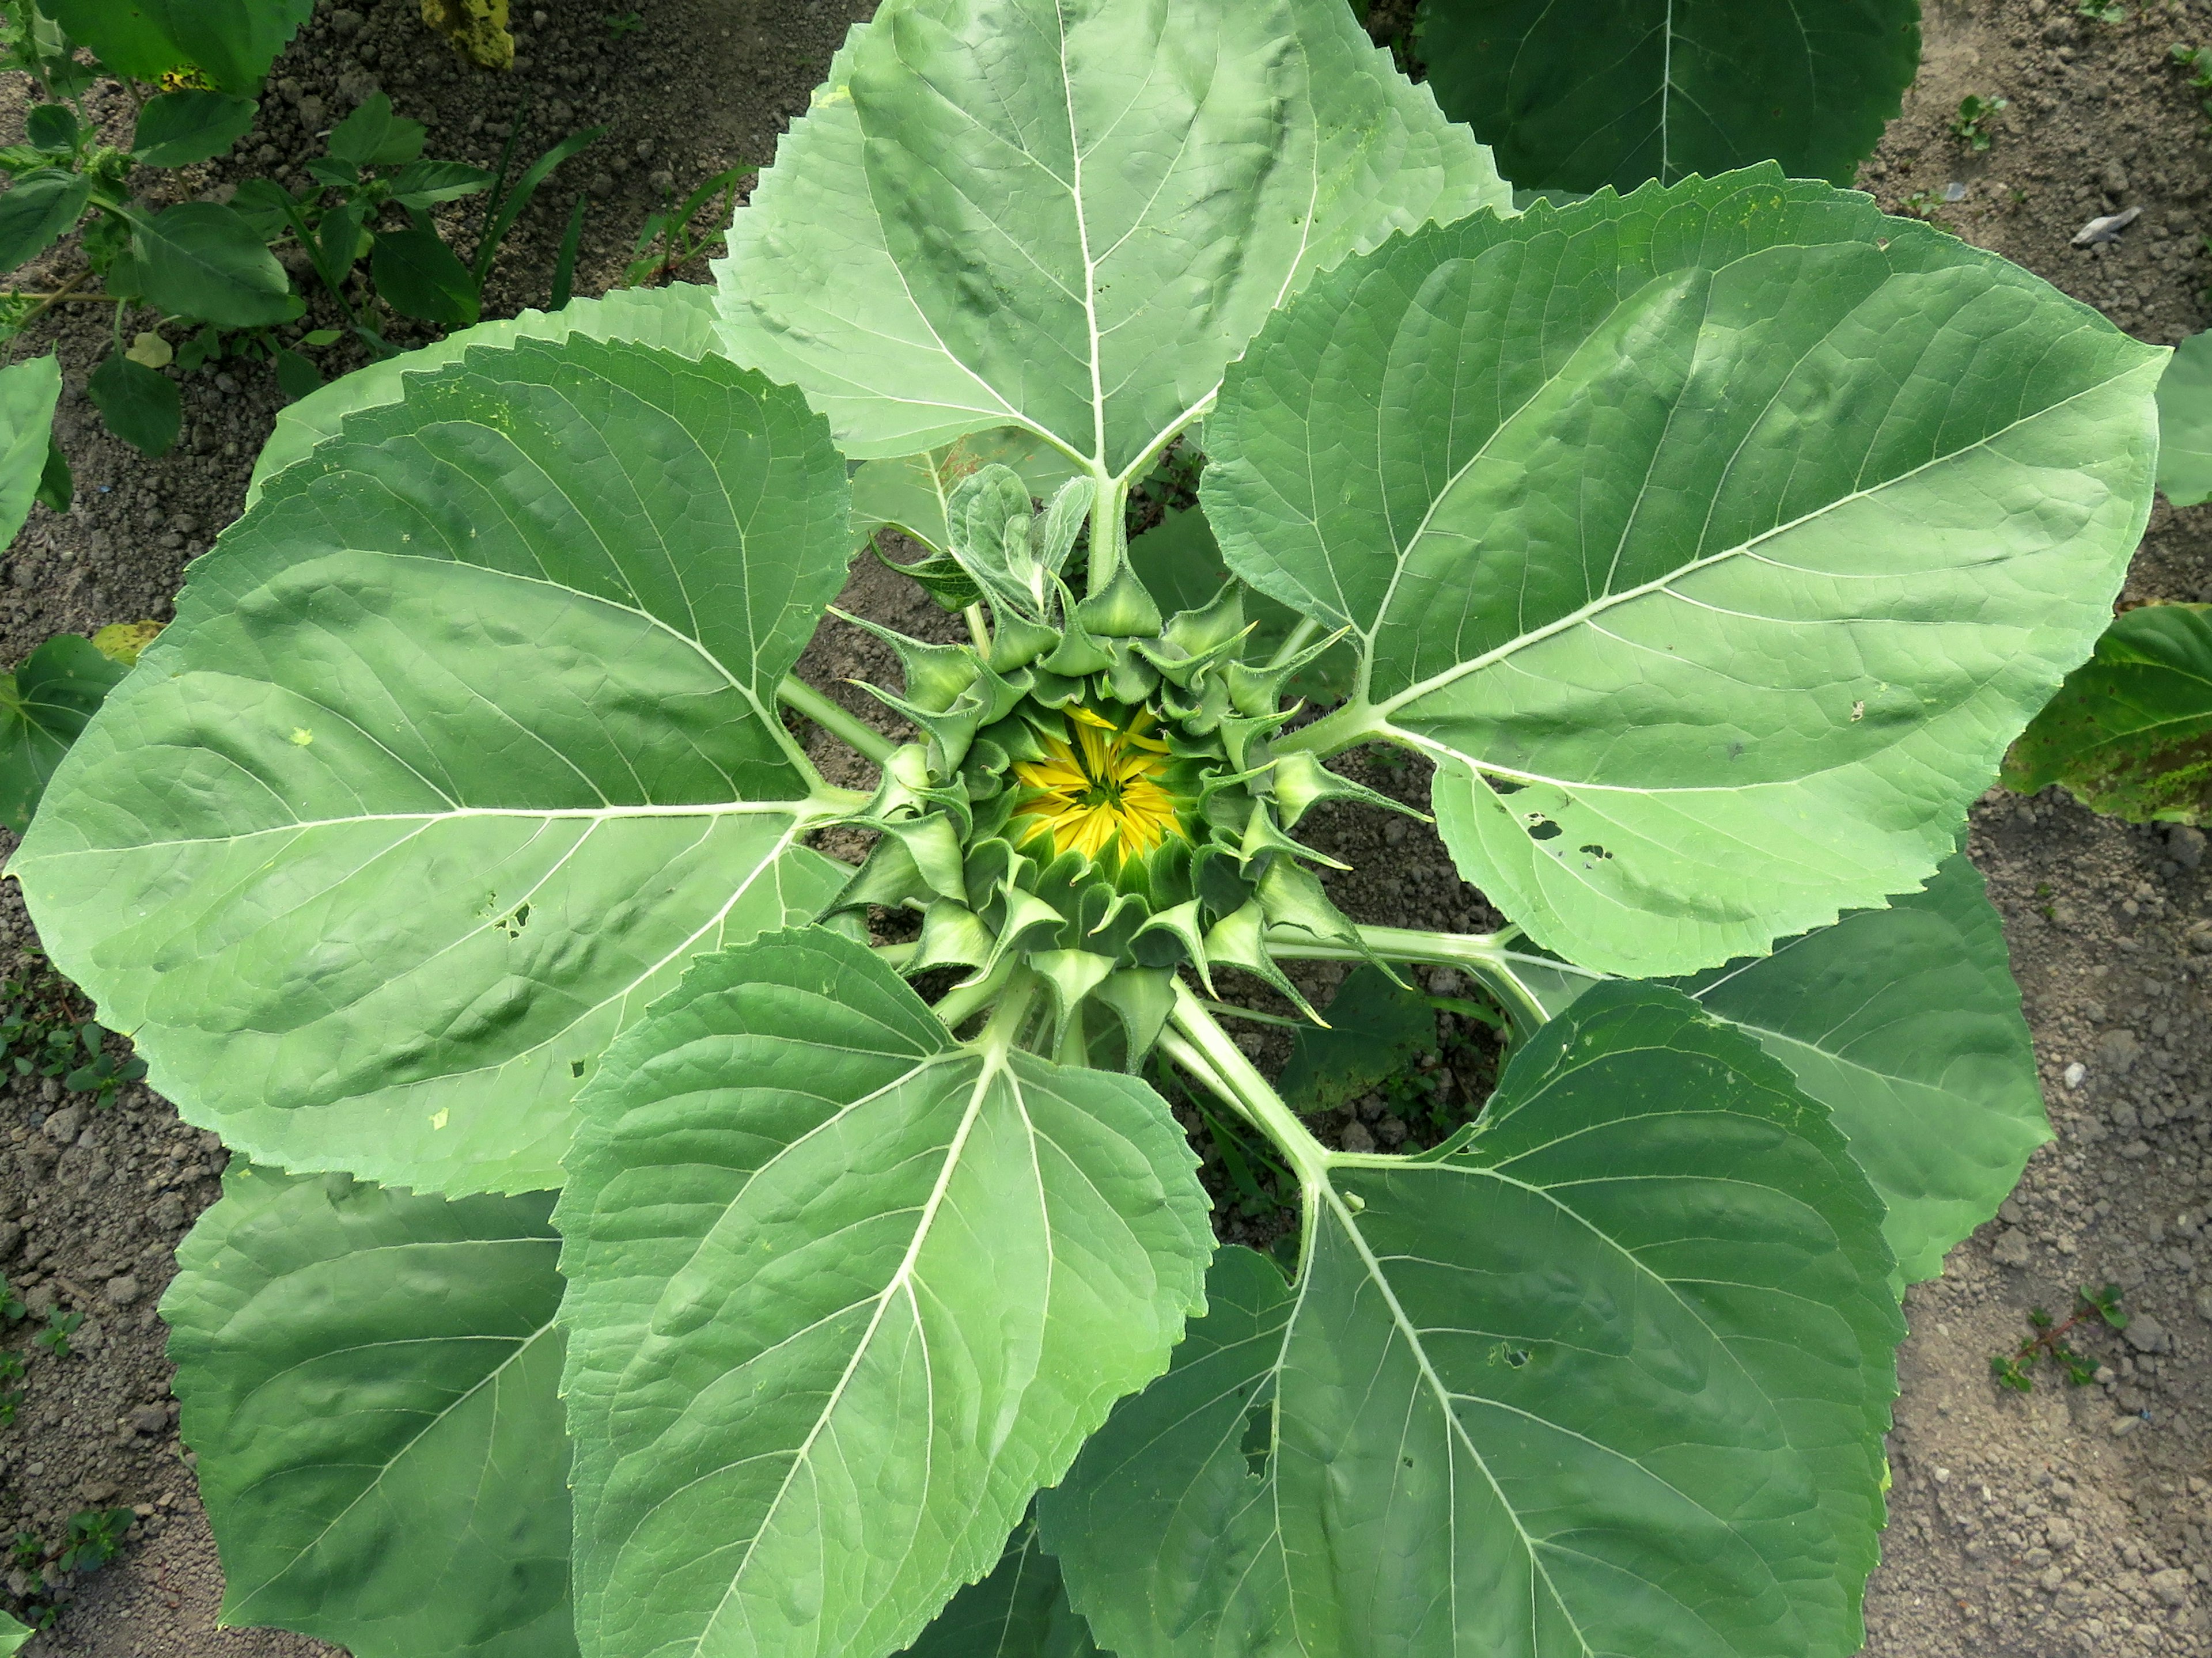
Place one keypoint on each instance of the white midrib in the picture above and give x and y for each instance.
(1411, 1334)
(537, 814)
(1083, 241)
(1667, 97)
(995, 1063)
(1606, 601)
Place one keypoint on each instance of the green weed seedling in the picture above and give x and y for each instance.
(671, 237)
(93, 1538)
(2015, 1369)
(2103, 11)
(1971, 126)
(59, 1328)
(621, 23)
(47, 1031)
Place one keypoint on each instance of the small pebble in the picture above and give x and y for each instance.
(122, 1290)
(2075, 1073)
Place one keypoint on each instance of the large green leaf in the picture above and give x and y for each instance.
(679, 318)
(13, 1634)
(1714, 541)
(370, 1380)
(1904, 1021)
(234, 41)
(2184, 423)
(44, 705)
(463, 743)
(1616, 92)
(28, 392)
(1906, 1024)
(2130, 731)
(842, 1293)
(1020, 1611)
(1611, 1378)
(1068, 215)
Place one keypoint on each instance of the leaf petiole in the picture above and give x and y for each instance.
(1224, 1069)
(797, 695)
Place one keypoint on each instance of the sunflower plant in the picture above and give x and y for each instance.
(625, 1258)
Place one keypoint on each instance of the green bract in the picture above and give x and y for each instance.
(454, 845)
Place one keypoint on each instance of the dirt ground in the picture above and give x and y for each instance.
(2059, 1522)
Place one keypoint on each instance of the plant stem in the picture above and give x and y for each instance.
(796, 694)
(1106, 530)
(1347, 727)
(1007, 1018)
(1485, 955)
(1249, 1090)
(963, 1002)
(979, 627)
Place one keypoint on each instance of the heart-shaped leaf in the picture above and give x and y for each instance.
(1067, 216)
(843, 1294)
(40, 208)
(1611, 1378)
(1616, 92)
(1665, 526)
(467, 733)
(44, 706)
(370, 1380)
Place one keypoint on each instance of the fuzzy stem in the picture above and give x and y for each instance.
(1106, 529)
(963, 1002)
(979, 627)
(800, 697)
(1250, 1090)
(1485, 955)
(1007, 1018)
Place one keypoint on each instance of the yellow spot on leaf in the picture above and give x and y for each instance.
(122, 641)
(438, 1119)
(303, 736)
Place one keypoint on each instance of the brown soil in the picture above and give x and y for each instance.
(2058, 1522)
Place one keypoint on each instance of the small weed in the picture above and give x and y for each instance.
(2197, 60)
(2015, 1369)
(1970, 127)
(2103, 11)
(1921, 204)
(11, 1304)
(93, 1538)
(619, 24)
(59, 1327)
(669, 240)
(46, 1030)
